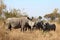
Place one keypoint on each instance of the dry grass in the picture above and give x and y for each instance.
(34, 35)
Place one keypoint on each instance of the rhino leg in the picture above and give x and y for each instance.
(22, 29)
(9, 27)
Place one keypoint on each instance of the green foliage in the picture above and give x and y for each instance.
(10, 14)
(13, 13)
(39, 17)
(52, 16)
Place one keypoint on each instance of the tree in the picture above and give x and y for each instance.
(52, 16)
(12, 13)
(39, 17)
(2, 6)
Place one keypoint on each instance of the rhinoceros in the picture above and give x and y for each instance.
(19, 23)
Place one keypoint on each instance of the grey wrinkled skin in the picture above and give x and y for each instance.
(22, 23)
(14, 22)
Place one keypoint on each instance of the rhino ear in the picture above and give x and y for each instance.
(27, 17)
